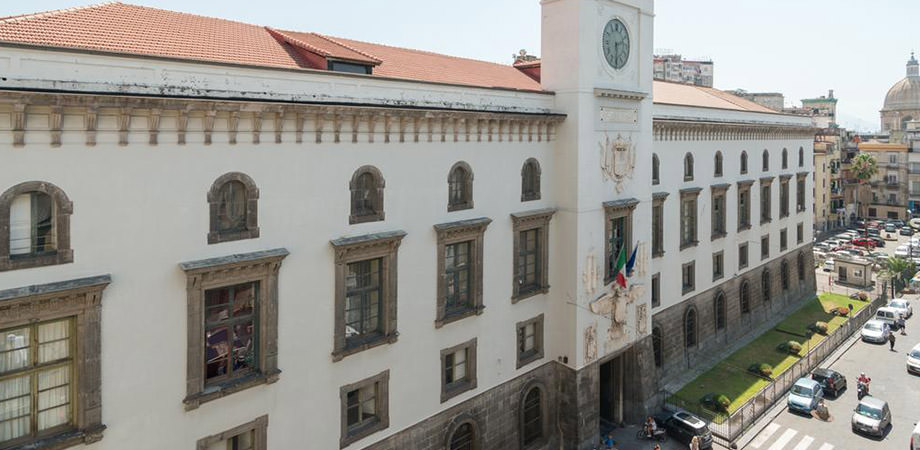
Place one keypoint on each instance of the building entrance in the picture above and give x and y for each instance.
(611, 391)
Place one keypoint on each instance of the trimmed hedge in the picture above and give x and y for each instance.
(762, 369)
(819, 327)
(791, 347)
(717, 402)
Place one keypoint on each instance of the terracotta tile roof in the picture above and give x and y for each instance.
(139, 30)
(690, 95)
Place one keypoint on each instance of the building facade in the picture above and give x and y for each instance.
(676, 69)
(281, 238)
(902, 103)
(887, 193)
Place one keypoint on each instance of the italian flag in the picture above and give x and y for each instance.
(620, 267)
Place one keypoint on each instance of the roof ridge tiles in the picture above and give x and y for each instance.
(52, 12)
(295, 42)
(336, 42)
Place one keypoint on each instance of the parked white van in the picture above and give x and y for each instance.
(889, 316)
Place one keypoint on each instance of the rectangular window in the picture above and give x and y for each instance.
(365, 408)
(688, 219)
(231, 327)
(799, 233)
(618, 229)
(531, 253)
(657, 229)
(765, 247)
(460, 269)
(529, 341)
(688, 277)
(742, 256)
(457, 275)
(744, 206)
(765, 204)
(31, 225)
(718, 268)
(800, 194)
(250, 436)
(782, 240)
(718, 214)
(363, 301)
(892, 199)
(656, 290)
(458, 369)
(529, 262)
(784, 199)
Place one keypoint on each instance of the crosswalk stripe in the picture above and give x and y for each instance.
(783, 440)
(804, 443)
(765, 435)
(826, 447)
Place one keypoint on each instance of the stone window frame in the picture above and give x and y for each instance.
(765, 247)
(536, 173)
(783, 239)
(720, 313)
(525, 358)
(688, 166)
(691, 327)
(658, 199)
(784, 275)
(785, 159)
(765, 288)
(800, 233)
(348, 437)
(202, 275)
(656, 345)
(467, 201)
(744, 296)
(615, 210)
(801, 195)
(361, 248)
(469, 383)
(784, 190)
(744, 187)
(719, 190)
(472, 231)
(379, 212)
(765, 163)
(215, 236)
(717, 163)
(688, 195)
(459, 421)
(720, 256)
(743, 249)
(63, 209)
(766, 201)
(541, 440)
(656, 288)
(686, 289)
(744, 162)
(259, 427)
(656, 170)
(526, 221)
(81, 300)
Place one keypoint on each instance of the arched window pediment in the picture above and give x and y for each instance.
(34, 226)
(530, 180)
(460, 187)
(233, 202)
(366, 186)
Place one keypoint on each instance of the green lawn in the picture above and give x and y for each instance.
(730, 376)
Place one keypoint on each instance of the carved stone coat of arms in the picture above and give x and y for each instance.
(618, 159)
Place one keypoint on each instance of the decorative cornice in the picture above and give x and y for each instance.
(238, 260)
(785, 177)
(374, 124)
(766, 180)
(691, 191)
(688, 130)
(621, 204)
(660, 196)
(619, 95)
(720, 187)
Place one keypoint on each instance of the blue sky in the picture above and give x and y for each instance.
(799, 48)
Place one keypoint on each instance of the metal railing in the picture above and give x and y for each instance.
(726, 428)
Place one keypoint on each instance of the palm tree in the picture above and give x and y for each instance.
(864, 167)
(896, 269)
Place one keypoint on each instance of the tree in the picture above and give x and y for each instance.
(896, 269)
(863, 166)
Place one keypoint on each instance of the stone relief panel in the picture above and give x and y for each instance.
(590, 343)
(617, 159)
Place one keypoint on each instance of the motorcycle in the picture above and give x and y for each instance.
(659, 435)
(862, 390)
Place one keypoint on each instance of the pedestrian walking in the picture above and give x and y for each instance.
(891, 339)
(902, 325)
(695, 443)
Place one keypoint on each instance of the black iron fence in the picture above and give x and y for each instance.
(726, 428)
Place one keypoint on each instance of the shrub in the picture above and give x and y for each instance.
(842, 311)
(821, 327)
(716, 402)
(723, 401)
(762, 369)
(791, 347)
(863, 296)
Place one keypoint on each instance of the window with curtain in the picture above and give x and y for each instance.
(36, 380)
(32, 225)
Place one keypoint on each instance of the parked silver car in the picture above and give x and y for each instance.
(875, 331)
(902, 306)
(913, 360)
(871, 416)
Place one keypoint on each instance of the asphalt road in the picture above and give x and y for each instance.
(890, 382)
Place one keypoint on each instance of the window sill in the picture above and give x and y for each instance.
(355, 219)
(524, 359)
(66, 439)
(458, 315)
(363, 431)
(744, 227)
(686, 290)
(783, 216)
(766, 221)
(658, 254)
(687, 245)
(15, 262)
(216, 237)
(718, 235)
(340, 354)
(460, 207)
(530, 197)
(449, 392)
(532, 293)
(223, 389)
(717, 277)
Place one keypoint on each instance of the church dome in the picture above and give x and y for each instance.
(905, 94)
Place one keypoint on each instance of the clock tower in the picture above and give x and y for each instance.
(597, 60)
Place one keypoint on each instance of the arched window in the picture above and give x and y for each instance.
(766, 160)
(530, 180)
(34, 226)
(690, 327)
(656, 345)
(801, 266)
(366, 195)
(656, 177)
(719, 305)
(785, 159)
(745, 297)
(765, 285)
(464, 437)
(688, 167)
(784, 274)
(233, 201)
(532, 416)
(460, 187)
(718, 164)
(801, 157)
(744, 162)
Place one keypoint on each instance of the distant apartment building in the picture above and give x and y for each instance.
(887, 196)
(672, 67)
(772, 100)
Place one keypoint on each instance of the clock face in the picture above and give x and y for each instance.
(616, 44)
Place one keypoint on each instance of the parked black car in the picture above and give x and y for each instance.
(831, 381)
(907, 231)
(682, 426)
